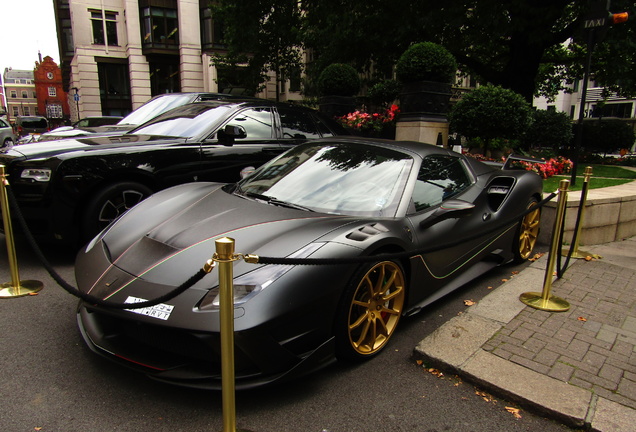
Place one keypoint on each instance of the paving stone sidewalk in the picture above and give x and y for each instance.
(579, 366)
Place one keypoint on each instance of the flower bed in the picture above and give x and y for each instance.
(551, 167)
(362, 123)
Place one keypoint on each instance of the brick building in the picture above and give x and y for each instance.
(51, 98)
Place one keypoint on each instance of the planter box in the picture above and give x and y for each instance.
(610, 215)
(424, 101)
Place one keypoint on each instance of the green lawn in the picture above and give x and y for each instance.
(602, 176)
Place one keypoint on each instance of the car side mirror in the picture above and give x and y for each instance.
(450, 209)
(247, 171)
(229, 133)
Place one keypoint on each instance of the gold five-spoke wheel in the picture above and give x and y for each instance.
(529, 232)
(375, 308)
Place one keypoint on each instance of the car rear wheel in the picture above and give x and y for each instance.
(8, 143)
(527, 233)
(111, 202)
(370, 311)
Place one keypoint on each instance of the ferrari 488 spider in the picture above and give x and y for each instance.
(382, 202)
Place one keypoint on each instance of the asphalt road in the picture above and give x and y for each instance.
(50, 382)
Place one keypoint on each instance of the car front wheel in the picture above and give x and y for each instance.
(370, 311)
(111, 202)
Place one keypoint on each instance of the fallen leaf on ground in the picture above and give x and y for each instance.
(435, 372)
(504, 280)
(489, 287)
(582, 319)
(514, 412)
(588, 258)
(469, 302)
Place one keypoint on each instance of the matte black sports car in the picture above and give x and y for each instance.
(333, 198)
(68, 190)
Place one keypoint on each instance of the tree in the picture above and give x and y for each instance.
(491, 113)
(517, 44)
(265, 36)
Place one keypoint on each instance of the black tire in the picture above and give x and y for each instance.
(369, 311)
(527, 233)
(109, 203)
(8, 143)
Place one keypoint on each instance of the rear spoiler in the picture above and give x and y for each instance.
(514, 157)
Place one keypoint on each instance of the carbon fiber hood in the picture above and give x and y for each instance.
(173, 232)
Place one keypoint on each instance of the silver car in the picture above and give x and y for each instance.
(7, 137)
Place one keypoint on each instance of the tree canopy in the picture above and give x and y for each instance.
(517, 44)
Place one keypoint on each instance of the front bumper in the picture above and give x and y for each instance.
(193, 358)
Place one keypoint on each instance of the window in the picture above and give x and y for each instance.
(440, 178)
(617, 110)
(26, 110)
(257, 122)
(212, 31)
(14, 94)
(160, 28)
(98, 23)
(25, 94)
(164, 77)
(295, 125)
(16, 112)
(295, 80)
(52, 92)
(54, 111)
(114, 87)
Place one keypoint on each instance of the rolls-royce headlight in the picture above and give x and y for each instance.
(36, 174)
(249, 284)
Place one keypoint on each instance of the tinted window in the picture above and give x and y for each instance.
(35, 123)
(257, 122)
(297, 125)
(439, 178)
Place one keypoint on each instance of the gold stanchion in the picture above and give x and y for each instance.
(576, 253)
(225, 257)
(544, 300)
(17, 287)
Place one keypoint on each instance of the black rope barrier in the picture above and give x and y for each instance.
(87, 297)
(560, 270)
(261, 260)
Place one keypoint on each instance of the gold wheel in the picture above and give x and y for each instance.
(529, 232)
(375, 308)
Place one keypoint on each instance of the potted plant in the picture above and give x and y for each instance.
(338, 83)
(426, 71)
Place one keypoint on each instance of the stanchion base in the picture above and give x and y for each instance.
(579, 254)
(26, 287)
(552, 304)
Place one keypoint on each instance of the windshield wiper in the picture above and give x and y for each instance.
(273, 201)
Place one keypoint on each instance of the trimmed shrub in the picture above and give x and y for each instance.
(426, 61)
(339, 79)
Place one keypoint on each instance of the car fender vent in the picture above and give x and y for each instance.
(367, 231)
(498, 190)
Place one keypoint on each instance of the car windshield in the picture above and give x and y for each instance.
(189, 121)
(154, 107)
(345, 178)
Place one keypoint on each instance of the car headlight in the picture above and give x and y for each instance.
(249, 284)
(36, 174)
